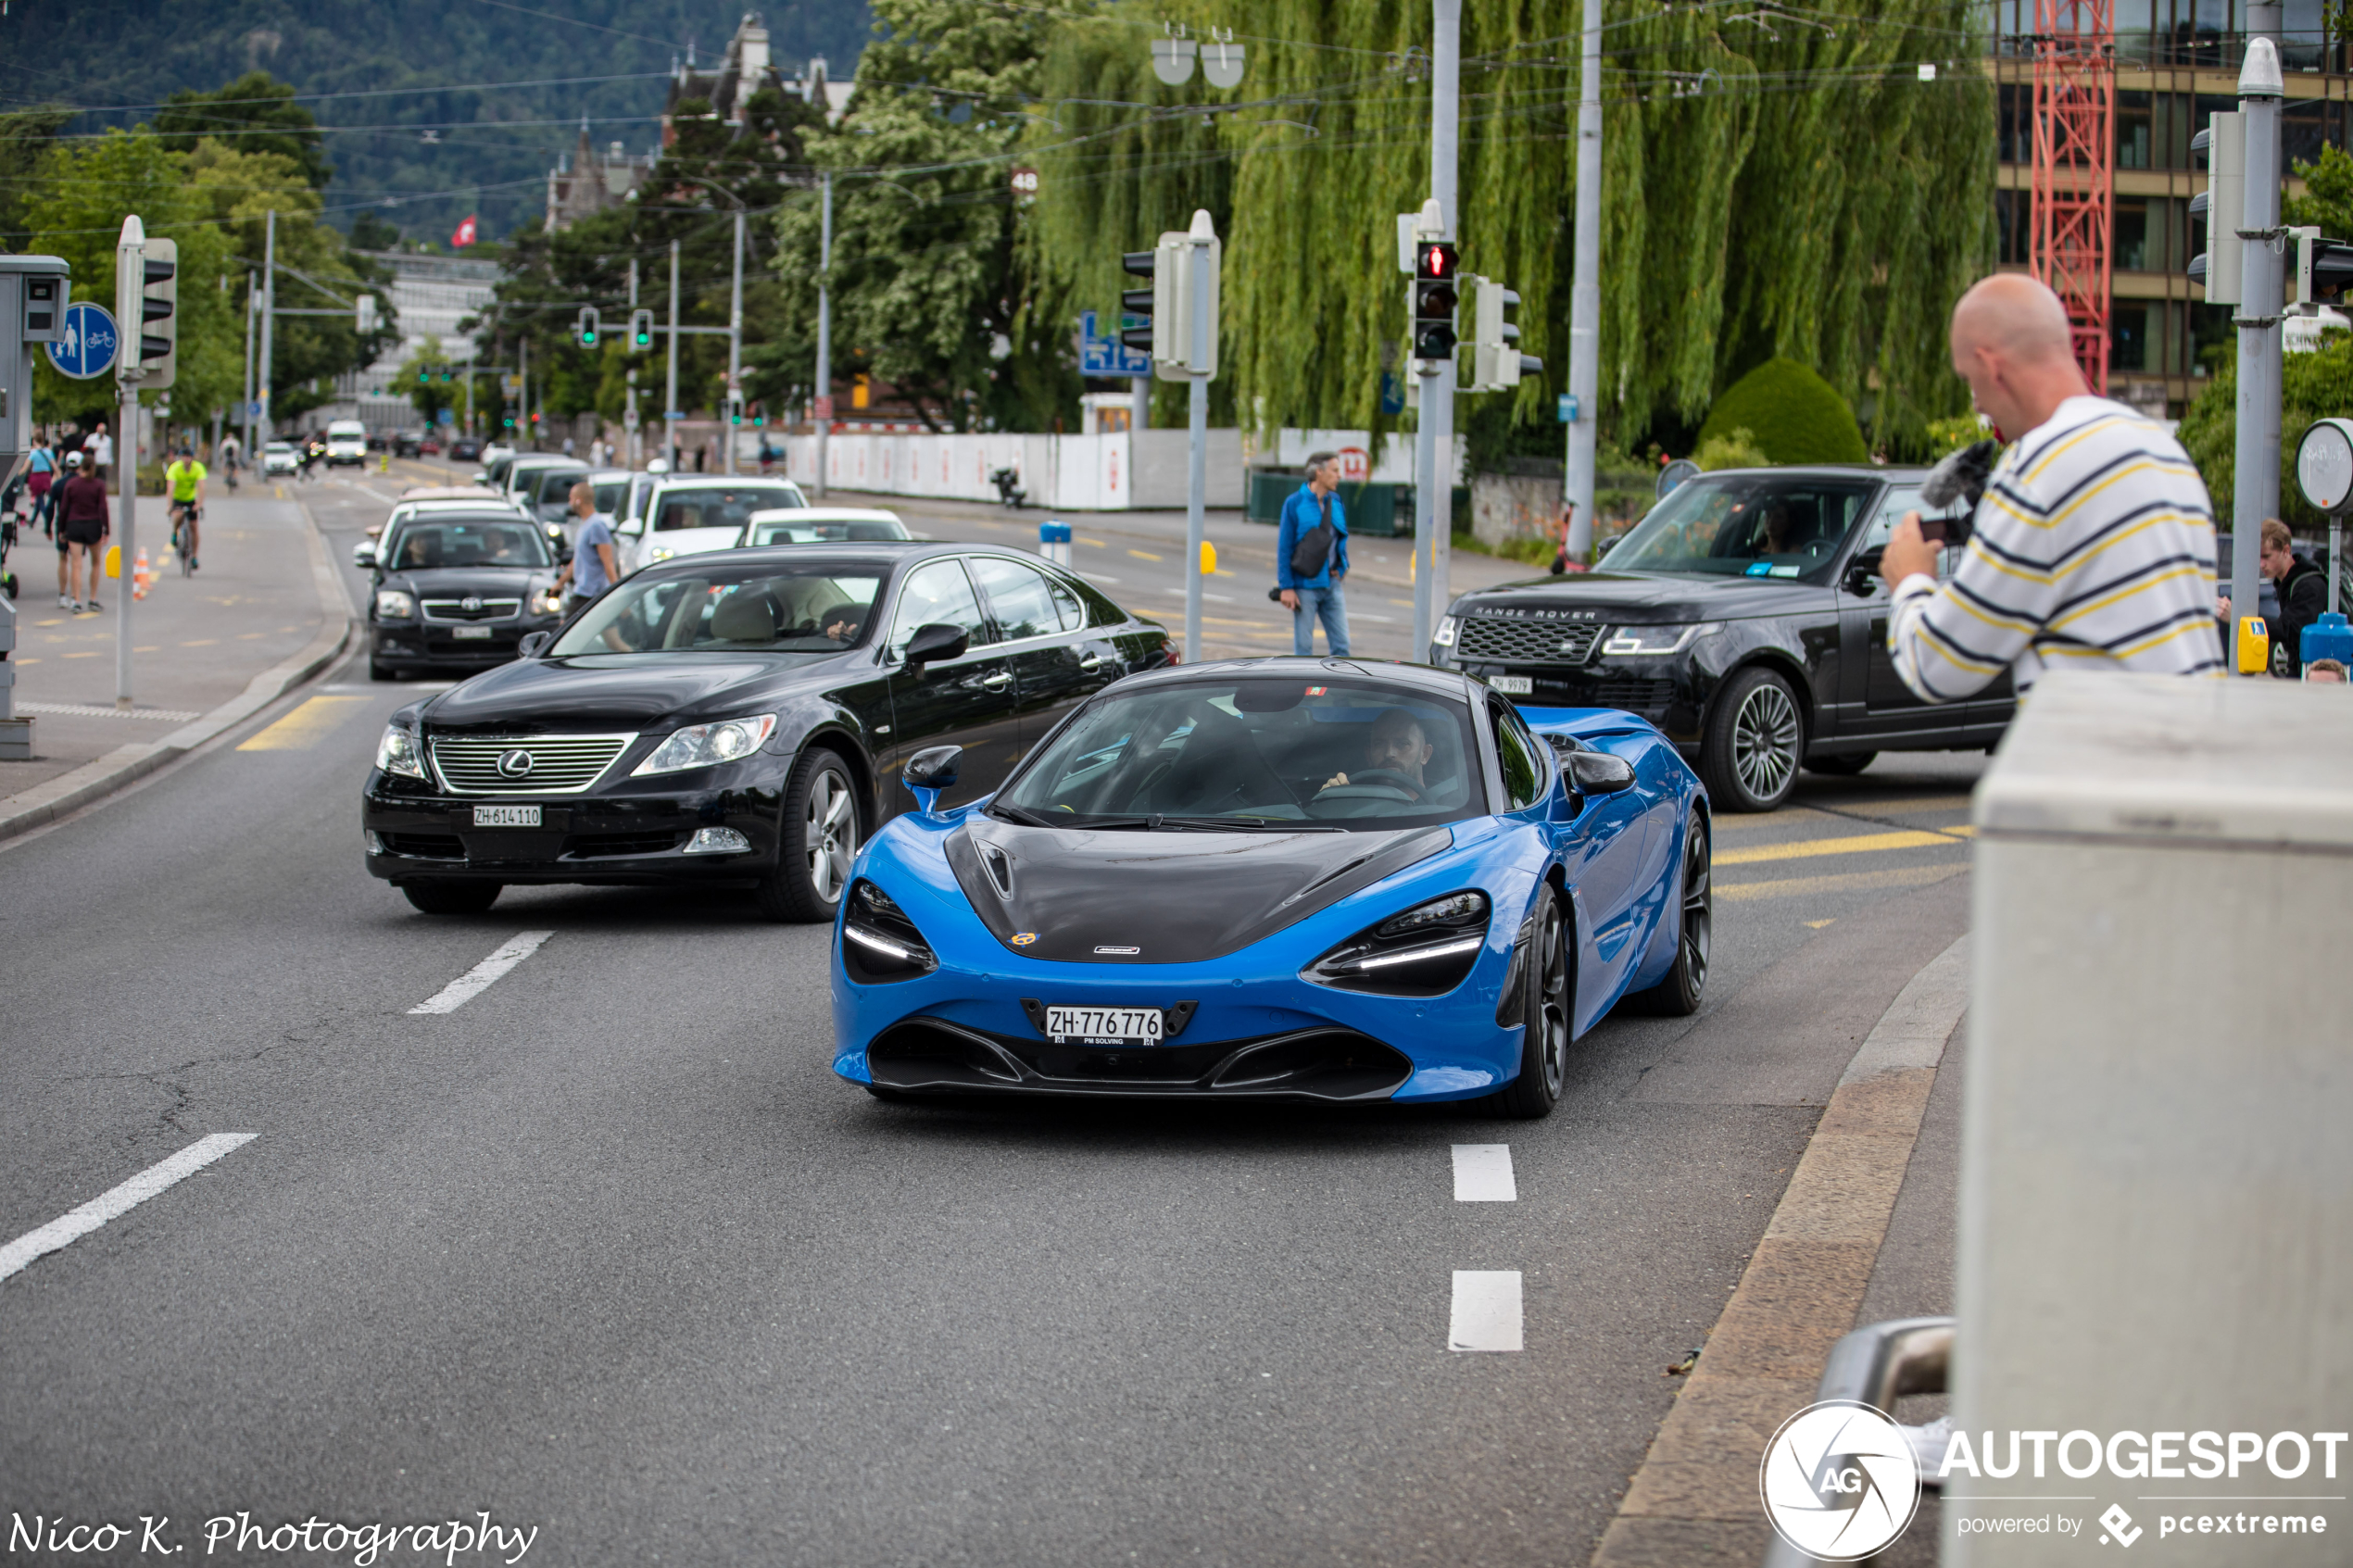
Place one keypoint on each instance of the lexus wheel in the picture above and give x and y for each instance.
(1755, 738)
(820, 838)
(1679, 994)
(1543, 1052)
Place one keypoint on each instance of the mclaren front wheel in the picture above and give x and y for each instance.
(1544, 1009)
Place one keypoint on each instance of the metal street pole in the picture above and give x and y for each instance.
(2261, 287)
(1196, 458)
(735, 342)
(1434, 501)
(822, 406)
(630, 421)
(523, 393)
(669, 395)
(130, 293)
(1585, 294)
(245, 414)
(268, 317)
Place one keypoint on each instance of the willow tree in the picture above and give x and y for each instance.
(1777, 180)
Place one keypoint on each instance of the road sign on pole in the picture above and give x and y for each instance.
(88, 348)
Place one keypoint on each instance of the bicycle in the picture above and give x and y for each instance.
(188, 515)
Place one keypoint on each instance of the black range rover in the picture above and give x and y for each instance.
(1744, 616)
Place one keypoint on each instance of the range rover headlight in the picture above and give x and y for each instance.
(392, 603)
(1444, 635)
(1649, 641)
(398, 753)
(1425, 951)
(701, 746)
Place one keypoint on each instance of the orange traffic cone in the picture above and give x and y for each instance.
(142, 578)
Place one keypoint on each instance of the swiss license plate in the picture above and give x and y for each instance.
(1104, 1026)
(469, 633)
(505, 815)
(1511, 686)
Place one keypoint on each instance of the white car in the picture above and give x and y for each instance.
(821, 525)
(363, 554)
(277, 457)
(346, 443)
(686, 514)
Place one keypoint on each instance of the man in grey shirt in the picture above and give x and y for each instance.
(592, 567)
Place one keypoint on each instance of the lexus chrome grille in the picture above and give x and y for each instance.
(523, 764)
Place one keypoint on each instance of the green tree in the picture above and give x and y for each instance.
(1796, 417)
(430, 380)
(2328, 198)
(253, 114)
(2312, 386)
(25, 140)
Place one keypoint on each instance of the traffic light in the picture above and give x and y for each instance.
(2222, 205)
(734, 408)
(759, 414)
(1169, 302)
(1497, 364)
(2324, 268)
(1137, 302)
(158, 319)
(586, 328)
(1435, 295)
(641, 329)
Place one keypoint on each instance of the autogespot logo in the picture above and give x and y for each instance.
(1839, 1481)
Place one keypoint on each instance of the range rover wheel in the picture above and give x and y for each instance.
(819, 840)
(1544, 1053)
(452, 897)
(1755, 737)
(1845, 766)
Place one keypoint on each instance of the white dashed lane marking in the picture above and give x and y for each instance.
(1486, 1310)
(475, 980)
(1483, 1173)
(71, 1227)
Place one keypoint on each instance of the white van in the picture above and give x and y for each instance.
(346, 443)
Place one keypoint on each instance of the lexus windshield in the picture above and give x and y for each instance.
(812, 608)
(432, 545)
(1246, 754)
(1747, 525)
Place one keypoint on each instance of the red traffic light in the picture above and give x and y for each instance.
(1435, 260)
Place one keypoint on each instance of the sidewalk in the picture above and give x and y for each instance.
(263, 612)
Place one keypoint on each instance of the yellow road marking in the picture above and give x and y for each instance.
(1817, 924)
(1804, 848)
(1146, 555)
(1796, 886)
(201, 642)
(281, 491)
(77, 656)
(1096, 543)
(302, 728)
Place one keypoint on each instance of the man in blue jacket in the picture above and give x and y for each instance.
(1314, 596)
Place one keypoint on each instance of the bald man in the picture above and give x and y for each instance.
(2093, 547)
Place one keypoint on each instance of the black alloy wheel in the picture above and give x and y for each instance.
(1755, 737)
(819, 840)
(1543, 1052)
(1679, 994)
(452, 897)
(1845, 766)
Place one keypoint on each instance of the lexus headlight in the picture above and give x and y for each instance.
(392, 603)
(1446, 635)
(397, 753)
(1652, 640)
(701, 745)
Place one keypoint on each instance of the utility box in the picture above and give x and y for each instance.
(2155, 1237)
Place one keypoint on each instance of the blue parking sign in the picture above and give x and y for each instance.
(86, 347)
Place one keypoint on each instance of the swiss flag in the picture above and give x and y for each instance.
(465, 234)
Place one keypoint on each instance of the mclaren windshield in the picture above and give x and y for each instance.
(1747, 525)
(813, 609)
(1244, 754)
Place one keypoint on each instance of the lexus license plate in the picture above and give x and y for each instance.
(1104, 1026)
(505, 815)
(1511, 686)
(469, 633)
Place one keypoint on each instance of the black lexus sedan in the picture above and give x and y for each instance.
(1745, 616)
(739, 719)
(457, 590)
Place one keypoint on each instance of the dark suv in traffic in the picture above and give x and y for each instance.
(1745, 616)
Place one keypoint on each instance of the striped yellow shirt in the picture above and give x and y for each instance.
(2094, 543)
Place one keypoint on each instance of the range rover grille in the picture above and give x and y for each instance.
(1515, 640)
(558, 764)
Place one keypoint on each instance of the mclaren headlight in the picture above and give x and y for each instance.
(701, 746)
(1645, 642)
(392, 604)
(400, 753)
(879, 944)
(1425, 951)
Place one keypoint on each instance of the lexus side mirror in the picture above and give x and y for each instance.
(929, 771)
(1598, 772)
(533, 644)
(936, 643)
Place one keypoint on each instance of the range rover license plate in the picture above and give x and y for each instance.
(505, 815)
(1511, 686)
(1103, 1027)
(469, 633)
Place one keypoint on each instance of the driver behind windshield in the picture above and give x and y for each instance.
(1395, 748)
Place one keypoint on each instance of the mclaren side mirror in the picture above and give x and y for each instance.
(1598, 772)
(533, 644)
(935, 643)
(929, 771)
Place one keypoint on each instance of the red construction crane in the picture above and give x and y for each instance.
(2075, 168)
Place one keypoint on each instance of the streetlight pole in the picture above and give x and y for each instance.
(1434, 505)
(1585, 294)
(268, 315)
(822, 406)
(670, 393)
(130, 295)
(735, 342)
(2261, 285)
(252, 299)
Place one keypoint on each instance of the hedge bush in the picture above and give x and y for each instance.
(1791, 415)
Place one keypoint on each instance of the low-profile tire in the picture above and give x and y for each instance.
(816, 842)
(1544, 1012)
(1679, 994)
(1756, 735)
(452, 897)
(1843, 766)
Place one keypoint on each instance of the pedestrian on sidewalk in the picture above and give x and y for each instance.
(99, 452)
(592, 567)
(1311, 558)
(81, 530)
(2094, 541)
(40, 478)
(2303, 589)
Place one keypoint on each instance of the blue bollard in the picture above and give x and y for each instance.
(1053, 543)
(2329, 637)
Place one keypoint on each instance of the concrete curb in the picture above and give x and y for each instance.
(1694, 1499)
(126, 764)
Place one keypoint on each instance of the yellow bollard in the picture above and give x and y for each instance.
(2254, 646)
(1208, 558)
(114, 560)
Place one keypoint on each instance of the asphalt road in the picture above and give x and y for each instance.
(606, 1251)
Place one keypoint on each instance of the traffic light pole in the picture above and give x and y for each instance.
(821, 404)
(670, 393)
(1585, 294)
(1197, 446)
(734, 345)
(130, 290)
(269, 320)
(1434, 501)
(253, 301)
(2256, 489)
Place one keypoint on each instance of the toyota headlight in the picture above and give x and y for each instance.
(392, 603)
(398, 753)
(701, 745)
(1648, 641)
(1444, 636)
(547, 601)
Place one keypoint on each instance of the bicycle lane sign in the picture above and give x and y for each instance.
(87, 346)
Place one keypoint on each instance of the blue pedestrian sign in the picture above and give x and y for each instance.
(1567, 407)
(1100, 355)
(253, 409)
(86, 347)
